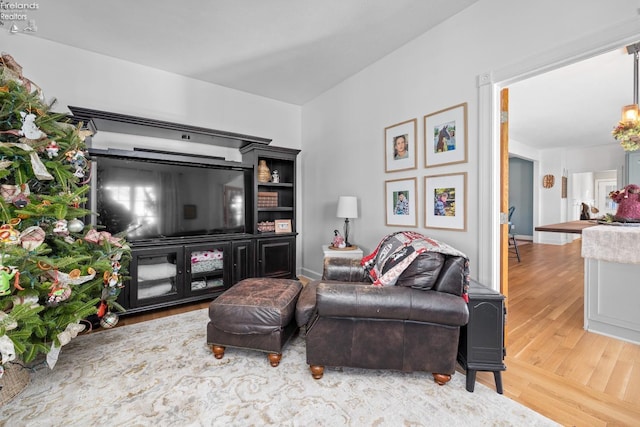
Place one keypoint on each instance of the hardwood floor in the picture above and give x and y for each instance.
(157, 314)
(554, 366)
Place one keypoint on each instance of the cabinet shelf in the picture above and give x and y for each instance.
(276, 184)
(284, 161)
(276, 209)
(212, 274)
(201, 285)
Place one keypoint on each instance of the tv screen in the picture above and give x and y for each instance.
(150, 199)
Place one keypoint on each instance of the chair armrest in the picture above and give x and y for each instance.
(306, 304)
(344, 269)
(334, 269)
(351, 300)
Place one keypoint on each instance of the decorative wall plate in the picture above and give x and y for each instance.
(548, 181)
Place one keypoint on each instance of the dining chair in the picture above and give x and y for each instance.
(512, 235)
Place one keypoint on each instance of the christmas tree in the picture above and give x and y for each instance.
(55, 271)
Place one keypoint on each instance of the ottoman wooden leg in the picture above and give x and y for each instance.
(274, 359)
(317, 371)
(218, 351)
(441, 379)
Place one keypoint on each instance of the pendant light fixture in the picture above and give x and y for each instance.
(630, 112)
(627, 131)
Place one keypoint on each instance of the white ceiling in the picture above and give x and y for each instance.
(289, 50)
(577, 105)
(294, 50)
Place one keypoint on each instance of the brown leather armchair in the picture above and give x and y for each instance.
(412, 326)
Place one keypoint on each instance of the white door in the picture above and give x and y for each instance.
(603, 202)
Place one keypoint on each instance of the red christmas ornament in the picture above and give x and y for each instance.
(102, 309)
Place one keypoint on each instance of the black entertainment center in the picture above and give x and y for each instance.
(191, 220)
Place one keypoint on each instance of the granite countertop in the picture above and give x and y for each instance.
(612, 243)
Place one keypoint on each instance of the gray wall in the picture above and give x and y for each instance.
(343, 129)
(521, 195)
(341, 132)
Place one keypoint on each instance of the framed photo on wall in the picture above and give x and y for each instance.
(189, 211)
(446, 201)
(401, 202)
(445, 136)
(400, 146)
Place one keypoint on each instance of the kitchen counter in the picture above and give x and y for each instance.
(612, 281)
(575, 227)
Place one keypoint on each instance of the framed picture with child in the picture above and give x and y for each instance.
(401, 202)
(446, 201)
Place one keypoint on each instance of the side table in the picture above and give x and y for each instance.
(342, 253)
(481, 346)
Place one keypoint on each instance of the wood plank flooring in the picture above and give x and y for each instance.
(554, 366)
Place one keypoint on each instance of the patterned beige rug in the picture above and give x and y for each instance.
(161, 373)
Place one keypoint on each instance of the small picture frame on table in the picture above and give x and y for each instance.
(283, 225)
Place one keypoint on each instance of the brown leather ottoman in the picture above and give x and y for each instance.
(255, 313)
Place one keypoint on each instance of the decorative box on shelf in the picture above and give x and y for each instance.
(267, 199)
(266, 226)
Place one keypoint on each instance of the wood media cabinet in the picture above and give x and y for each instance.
(167, 271)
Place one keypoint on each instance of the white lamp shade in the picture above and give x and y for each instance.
(347, 207)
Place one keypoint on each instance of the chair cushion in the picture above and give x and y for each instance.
(351, 300)
(452, 278)
(423, 272)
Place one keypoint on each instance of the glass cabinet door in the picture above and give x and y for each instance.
(207, 268)
(157, 272)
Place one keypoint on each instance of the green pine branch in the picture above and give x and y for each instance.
(39, 270)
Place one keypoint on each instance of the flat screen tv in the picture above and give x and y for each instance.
(147, 199)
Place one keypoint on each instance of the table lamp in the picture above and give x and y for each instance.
(347, 208)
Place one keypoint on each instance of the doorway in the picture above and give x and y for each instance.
(590, 194)
(521, 184)
(490, 215)
(604, 204)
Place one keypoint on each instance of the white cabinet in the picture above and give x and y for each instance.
(633, 168)
(611, 285)
(612, 292)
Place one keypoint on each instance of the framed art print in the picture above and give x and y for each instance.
(445, 136)
(400, 146)
(189, 211)
(283, 225)
(401, 202)
(446, 201)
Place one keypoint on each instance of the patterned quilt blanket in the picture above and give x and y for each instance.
(398, 250)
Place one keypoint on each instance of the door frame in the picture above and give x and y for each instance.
(601, 195)
(489, 171)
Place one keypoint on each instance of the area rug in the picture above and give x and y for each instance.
(162, 373)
